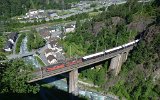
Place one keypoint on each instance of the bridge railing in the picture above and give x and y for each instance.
(46, 74)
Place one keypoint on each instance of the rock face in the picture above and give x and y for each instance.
(96, 27)
(151, 32)
(150, 37)
(117, 21)
(139, 26)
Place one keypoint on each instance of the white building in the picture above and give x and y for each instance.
(52, 15)
(8, 47)
(70, 28)
(48, 52)
(35, 14)
(41, 11)
(51, 31)
(51, 59)
(11, 41)
(52, 45)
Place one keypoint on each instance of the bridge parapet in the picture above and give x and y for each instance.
(38, 76)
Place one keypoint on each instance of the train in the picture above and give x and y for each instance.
(88, 57)
(93, 56)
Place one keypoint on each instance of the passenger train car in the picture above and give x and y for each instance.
(93, 56)
(88, 57)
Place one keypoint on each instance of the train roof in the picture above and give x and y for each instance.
(109, 50)
(92, 55)
(127, 44)
(130, 43)
(115, 48)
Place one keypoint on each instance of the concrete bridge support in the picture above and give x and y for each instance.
(73, 83)
(116, 63)
(125, 56)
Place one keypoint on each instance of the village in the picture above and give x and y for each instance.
(39, 15)
(52, 52)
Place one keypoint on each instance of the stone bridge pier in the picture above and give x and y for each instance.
(116, 62)
(115, 65)
(73, 84)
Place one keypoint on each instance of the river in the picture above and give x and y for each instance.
(29, 59)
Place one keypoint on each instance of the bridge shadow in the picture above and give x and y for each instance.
(19, 96)
(50, 91)
(47, 92)
(43, 94)
(58, 94)
(52, 79)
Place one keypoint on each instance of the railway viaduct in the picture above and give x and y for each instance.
(118, 57)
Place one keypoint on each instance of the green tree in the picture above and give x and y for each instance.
(100, 77)
(93, 5)
(156, 3)
(131, 4)
(2, 56)
(14, 78)
(102, 9)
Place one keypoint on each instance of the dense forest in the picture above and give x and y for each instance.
(139, 78)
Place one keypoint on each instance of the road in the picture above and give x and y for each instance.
(41, 51)
(14, 56)
(75, 12)
(87, 84)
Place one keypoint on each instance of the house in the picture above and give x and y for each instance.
(52, 39)
(53, 14)
(41, 11)
(13, 37)
(69, 28)
(52, 45)
(45, 33)
(51, 31)
(8, 46)
(32, 13)
(51, 59)
(59, 48)
(48, 52)
(11, 41)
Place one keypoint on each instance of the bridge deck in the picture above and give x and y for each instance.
(40, 76)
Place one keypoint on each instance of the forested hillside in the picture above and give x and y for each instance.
(139, 77)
